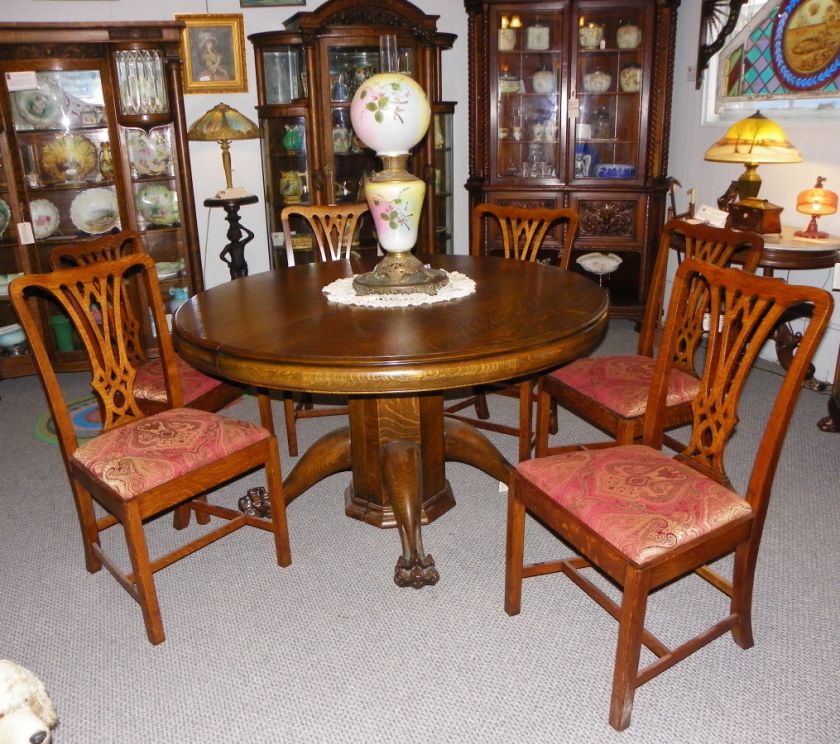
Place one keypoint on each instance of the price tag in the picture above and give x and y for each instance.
(574, 108)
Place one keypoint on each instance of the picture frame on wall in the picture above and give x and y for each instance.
(264, 3)
(213, 48)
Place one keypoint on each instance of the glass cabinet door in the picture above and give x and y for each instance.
(529, 92)
(609, 63)
(443, 181)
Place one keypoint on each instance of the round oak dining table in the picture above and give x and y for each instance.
(278, 330)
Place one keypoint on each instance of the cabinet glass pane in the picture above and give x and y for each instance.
(443, 182)
(283, 79)
(609, 79)
(141, 82)
(529, 129)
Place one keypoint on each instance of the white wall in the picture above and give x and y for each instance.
(689, 138)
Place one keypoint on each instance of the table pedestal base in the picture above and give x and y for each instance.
(397, 448)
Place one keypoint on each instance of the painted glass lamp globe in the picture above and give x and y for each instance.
(390, 114)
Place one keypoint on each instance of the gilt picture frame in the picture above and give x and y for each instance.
(213, 49)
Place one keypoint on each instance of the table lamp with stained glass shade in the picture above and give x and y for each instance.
(391, 114)
(817, 201)
(222, 124)
(753, 141)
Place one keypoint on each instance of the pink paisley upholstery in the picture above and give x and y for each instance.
(144, 454)
(622, 383)
(641, 501)
(149, 385)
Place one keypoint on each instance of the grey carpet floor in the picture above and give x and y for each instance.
(330, 650)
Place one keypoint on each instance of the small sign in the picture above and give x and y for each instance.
(21, 80)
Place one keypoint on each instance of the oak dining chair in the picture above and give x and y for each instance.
(142, 465)
(521, 232)
(610, 392)
(644, 519)
(333, 227)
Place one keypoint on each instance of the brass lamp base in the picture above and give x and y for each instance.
(400, 273)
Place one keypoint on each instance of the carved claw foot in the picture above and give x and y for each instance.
(417, 573)
(828, 424)
(256, 503)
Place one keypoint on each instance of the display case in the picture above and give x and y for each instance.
(93, 142)
(570, 107)
(306, 77)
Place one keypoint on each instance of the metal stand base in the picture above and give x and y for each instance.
(400, 273)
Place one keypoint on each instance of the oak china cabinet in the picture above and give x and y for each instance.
(306, 77)
(570, 107)
(92, 141)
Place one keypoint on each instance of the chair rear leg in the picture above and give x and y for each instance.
(743, 575)
(144, 582)
(526, 418)
(543, 428)
(482, 411)
(628, 651)
(514, 553)
(291, 423)
(87, 523)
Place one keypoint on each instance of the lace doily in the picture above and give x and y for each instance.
(341, 291)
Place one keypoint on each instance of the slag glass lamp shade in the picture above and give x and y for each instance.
(752, 141)
(222, 124)
(815, 202)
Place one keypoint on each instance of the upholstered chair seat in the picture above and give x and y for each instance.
(622, 383)
(149, 452)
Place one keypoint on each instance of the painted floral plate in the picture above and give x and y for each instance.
(40, 107)
(149, 154)
(69, 157)
(158, 204)
(168, 269)
(95, 211)
(45, 218)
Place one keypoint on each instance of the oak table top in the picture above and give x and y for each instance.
(278, 330)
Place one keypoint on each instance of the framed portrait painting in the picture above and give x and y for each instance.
(213, 47)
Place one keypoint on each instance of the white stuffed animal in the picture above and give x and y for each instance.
(26, 711)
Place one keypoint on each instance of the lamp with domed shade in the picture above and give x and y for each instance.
(816, 202)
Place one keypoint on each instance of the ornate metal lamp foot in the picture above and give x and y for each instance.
(400, 273)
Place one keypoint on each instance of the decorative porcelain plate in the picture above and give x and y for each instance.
(5, 216)
(45, 218)
(148, 153)
(69, 157)
(95, 211)
(615, 170)
(158, 204)
(41, 106)
(5, 280)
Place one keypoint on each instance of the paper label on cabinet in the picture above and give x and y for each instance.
(25, 234)
(574, 108)
(25, 80)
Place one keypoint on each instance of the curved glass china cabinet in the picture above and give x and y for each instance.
(570, 105)
(306, 77)
(93, 142)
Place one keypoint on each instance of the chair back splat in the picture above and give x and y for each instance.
(142, 464)
(611, 392)
(646, 519)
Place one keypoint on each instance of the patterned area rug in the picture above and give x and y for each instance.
(84, 414)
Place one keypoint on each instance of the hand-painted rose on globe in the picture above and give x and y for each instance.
(390, 113)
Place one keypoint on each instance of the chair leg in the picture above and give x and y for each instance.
(631, 625)
(87, 523)
(291, 424)
(274, 480)
(264, 406)
(626, 432)
(742, 588)
(544, 402)
(514, 553)
(526, 418)
(144, 581)
(482, 410)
